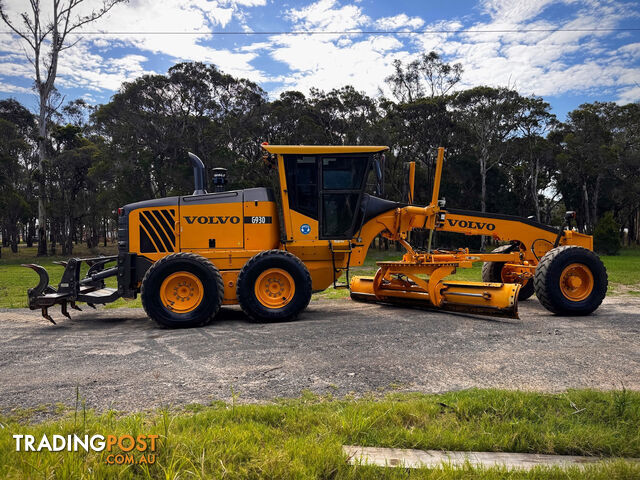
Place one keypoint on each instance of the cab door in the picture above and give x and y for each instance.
(343, 180)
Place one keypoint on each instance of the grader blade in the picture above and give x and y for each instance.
(478, 298)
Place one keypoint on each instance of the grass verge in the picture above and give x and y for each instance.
(302, 438)
(623, 270)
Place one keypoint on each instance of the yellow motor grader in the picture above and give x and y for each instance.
(269, 251)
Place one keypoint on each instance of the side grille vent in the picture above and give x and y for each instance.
(157, 231)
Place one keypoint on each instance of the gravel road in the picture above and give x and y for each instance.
(120, 359)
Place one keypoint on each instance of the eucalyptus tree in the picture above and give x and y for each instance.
(587, 156)
(46, 30)
(488, 115)
(17, 140)
(427, 76)
(151, 123)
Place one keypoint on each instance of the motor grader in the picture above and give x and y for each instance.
(269, 251)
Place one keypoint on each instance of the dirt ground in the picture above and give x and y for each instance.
(119, 359)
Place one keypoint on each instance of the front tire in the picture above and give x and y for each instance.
(182, 290)
(571, 280)
(274, 286)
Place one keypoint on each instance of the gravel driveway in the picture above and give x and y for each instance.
(120, 359)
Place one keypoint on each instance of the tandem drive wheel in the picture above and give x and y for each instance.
(182, 290)
(570, 280)
(274, 286)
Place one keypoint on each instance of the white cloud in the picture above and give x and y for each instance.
(97, 69)
(512, 12)
(398, 22)
(12, 68)
(9, 88)
(544, 62)
(363, 63)
(326, 15)
(83, 69)
(629, 95)
(631, 50)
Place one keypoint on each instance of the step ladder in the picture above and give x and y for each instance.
(337, 270)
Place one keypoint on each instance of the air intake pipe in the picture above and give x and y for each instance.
(198, 174)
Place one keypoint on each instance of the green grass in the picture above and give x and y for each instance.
(623, 270)
(302, 438)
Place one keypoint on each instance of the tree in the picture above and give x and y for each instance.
(587, 157)
(16, 147)
(533, 120)
(488, 116)
(46, 39)
(427, 76)
(152, 121)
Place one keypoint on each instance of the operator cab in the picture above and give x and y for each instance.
(324, 187)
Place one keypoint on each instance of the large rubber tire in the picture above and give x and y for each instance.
(492, 272)
(547, 280)
(196, 265)
(270, 260)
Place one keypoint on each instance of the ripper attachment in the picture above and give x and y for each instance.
(71, 289)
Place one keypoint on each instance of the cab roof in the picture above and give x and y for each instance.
(318, 149)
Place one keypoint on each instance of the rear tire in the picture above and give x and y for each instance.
(274, 286)
(492, 273)
(571, 280)
(182, 290)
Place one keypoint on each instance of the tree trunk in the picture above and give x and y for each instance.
(534, 188)
(585, 196)
(52, 238)
(31, 230)
(594, 200)
(483, 191)
(42, 213)
(14, 238)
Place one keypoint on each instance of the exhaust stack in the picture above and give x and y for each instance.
(198, 174)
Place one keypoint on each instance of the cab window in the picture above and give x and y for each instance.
(302, 184)
(343, 173)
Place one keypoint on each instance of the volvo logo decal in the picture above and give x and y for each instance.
(471, 224)
(202, 220)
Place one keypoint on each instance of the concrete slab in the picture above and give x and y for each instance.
(408, 458)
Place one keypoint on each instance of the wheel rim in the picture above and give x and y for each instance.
(181, 292)
(576, 282)
(275, 288)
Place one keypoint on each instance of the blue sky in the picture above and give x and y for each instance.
(567, 68)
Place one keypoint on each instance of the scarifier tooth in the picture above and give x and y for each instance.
(45, 314)
(75, 307)
(65, 312)
(43, 283)
(92, 306)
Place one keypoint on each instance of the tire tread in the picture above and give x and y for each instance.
(184, 256)
(241, 289)
(543, 288)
